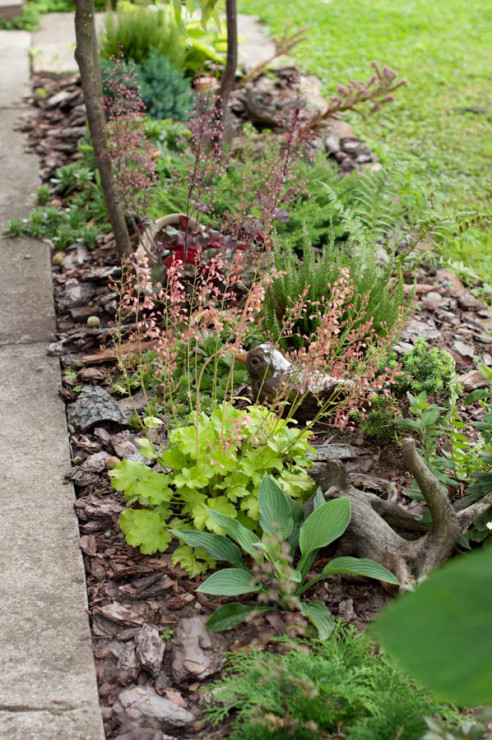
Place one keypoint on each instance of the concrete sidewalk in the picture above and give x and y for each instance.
(48, 683)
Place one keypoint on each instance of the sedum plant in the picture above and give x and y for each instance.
(213, 466)
(278, 583)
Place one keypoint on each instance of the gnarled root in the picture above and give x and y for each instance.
(370, 533)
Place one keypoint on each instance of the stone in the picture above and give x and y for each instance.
(327, 451)
(141, 707)
(473, 380)
(464, 350)
(75, 294)
(468, 302)
(418, 328)
(93, 406)
(150, 649)
(197, 653)
(432, 300)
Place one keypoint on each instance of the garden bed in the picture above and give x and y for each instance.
(147, 619)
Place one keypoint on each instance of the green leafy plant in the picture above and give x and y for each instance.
(278, 583)
(215, 465)
(440, 632)
(341, 686)
(430, 425)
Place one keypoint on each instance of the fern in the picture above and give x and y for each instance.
(373, 203)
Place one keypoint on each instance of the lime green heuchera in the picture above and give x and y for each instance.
(278, 582)
(215, 464)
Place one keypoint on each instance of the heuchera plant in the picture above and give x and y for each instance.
(214, 465)
(278, 582)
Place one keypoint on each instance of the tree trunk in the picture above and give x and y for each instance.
(230, 69)
(87, 58)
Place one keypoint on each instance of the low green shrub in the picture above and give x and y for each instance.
(163, 88)
(216, 462)
(378, 295)
(339, 687)
(430, 370)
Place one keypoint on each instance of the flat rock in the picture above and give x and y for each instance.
(473, 380)
(418, 328)
(197, 653)
(140, 707)
(465, 350)
(93, 406)
(328, 451)
(468, 302)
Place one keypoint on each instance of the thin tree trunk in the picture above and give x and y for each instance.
(87, 58)
(230, 69)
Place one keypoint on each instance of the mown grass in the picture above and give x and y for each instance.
(442, 48)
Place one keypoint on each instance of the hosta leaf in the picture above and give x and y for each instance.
(275, 512)
(230, 615)
(218, 547)
(320, 616)
(245, 538)
(194, 562)
(324, 525)
(319, 499)
(359, 567)
(441, 631)
(229, 582)
(145, 529)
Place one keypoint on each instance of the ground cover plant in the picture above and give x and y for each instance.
(439, 125)
(319, 689)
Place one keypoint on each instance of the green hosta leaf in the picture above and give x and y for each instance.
(245, 538)
(359, 567)
(230, 615)
(275, 511)
(324, 525)
(229, 582)
(194, 562)
(218, 547)
(145, 529)
(320, 616)
(441, 632)
(319, 499)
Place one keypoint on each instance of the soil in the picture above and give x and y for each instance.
(128, 590)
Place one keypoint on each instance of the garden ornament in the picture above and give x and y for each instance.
(275, 378)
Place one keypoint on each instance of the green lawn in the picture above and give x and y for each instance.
(443, 48)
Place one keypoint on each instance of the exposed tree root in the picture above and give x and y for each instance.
(371, 532)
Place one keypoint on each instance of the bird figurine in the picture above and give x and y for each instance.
(276, 380)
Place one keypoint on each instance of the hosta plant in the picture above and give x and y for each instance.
(213, 466)
(279, 583)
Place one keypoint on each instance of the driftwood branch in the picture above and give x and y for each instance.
(371, 530)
